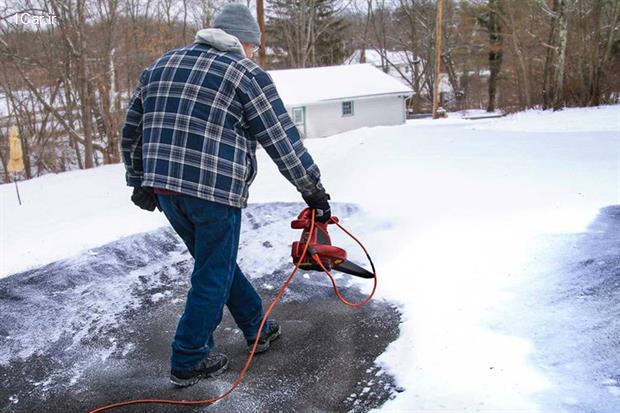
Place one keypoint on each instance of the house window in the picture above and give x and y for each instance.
(298, 116)
(347, 108)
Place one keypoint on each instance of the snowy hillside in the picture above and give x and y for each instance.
(461, 217)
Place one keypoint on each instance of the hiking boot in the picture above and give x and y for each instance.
(271, 333)
(211, 366)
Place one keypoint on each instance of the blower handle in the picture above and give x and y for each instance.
(304, 220)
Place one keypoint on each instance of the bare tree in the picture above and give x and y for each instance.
(493, 25)
(558, 101)
(305, 29)
(547, 88)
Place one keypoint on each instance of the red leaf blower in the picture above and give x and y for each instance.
(320, 248)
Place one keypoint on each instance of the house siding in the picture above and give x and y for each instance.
(325, 118)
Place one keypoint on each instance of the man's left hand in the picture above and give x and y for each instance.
(319, 202)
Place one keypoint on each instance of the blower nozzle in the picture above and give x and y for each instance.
(320, 248)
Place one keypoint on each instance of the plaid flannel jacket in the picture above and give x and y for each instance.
(193, 125)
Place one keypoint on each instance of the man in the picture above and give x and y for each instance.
(189, 145)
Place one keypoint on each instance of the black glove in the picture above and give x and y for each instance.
(145, 198)
(318, 202)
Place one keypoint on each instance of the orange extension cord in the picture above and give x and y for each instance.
(260, 328)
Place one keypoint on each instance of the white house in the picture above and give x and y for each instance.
(324, 101)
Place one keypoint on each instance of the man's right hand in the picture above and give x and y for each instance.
(318, 202)
(145, 198)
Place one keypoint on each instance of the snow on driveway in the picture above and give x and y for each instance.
(453, 212)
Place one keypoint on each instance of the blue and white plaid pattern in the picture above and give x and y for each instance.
(194, 122)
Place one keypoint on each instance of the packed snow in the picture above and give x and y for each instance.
(452, 213)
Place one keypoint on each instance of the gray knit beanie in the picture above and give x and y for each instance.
(236, 19)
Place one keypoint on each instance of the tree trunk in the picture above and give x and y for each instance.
(594, 89)
(495, 54)
(558, 101)
(7, 177)
(437, 78)
(85, 111)
(525, 81)
(547, 89)
(260, 16)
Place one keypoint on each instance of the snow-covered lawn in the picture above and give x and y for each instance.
(451, 211)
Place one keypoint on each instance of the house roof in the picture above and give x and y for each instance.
(319, 84)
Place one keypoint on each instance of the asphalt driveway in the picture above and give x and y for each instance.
(96, 329)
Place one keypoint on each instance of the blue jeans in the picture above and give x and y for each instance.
(211, 233)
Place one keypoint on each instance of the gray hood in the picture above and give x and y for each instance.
(219, 39)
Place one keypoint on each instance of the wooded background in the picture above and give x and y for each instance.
(66, 85)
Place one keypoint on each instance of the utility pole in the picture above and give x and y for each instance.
(260, 16)
(437, 59)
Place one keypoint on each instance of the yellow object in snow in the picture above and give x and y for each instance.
(16, 161)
